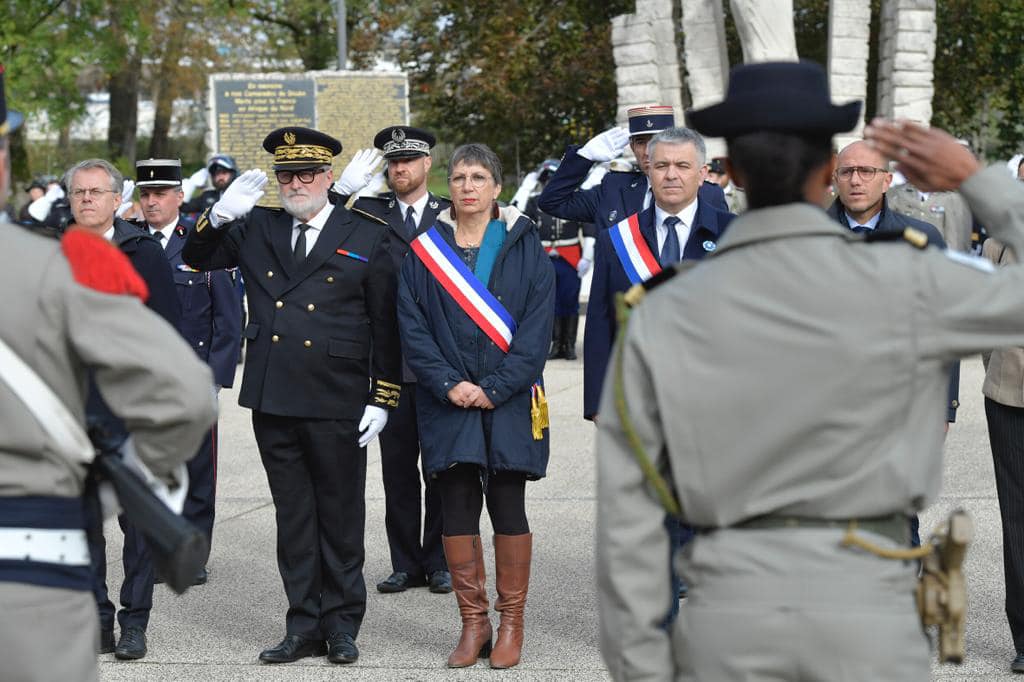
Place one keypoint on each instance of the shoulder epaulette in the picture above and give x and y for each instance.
(367, 214)
(636, 293)
(911, 235)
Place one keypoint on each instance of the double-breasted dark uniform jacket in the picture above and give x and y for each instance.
(892, 221)
(610, 278)
(619, 195)
(443, 346)
(322, 335)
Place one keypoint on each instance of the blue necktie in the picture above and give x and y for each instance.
(859, 229)
(410, 222)
(670, 249)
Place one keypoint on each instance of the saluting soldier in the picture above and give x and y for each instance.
(211, 319)
(322, 293)
(408, 209)
(862, 331)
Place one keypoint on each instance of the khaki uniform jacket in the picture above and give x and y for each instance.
(798, 370)
(1004, 367)
(947, 211)
(147, 373)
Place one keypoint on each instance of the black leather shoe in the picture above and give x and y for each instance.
(292, 648)
(1017, 665)
(132, 645)
(106, 642)
(201, 577)
(441, 582)
(400, 582)
(341, 648)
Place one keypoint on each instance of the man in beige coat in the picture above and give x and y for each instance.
(860, 337)
(61, 331)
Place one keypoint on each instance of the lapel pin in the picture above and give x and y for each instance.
(709, 245)
(611, 216)
(391, 204)
(434, 204)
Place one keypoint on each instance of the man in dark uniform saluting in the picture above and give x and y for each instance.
(321, 286)
(211, 319)
(408, 209)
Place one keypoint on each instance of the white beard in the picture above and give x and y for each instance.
(303, 208)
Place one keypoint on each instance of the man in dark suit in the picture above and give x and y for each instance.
(94, 187)
(211, 319)
(408, 209)
(322, 294)
(620, 194)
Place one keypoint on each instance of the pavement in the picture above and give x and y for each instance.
(215, 631)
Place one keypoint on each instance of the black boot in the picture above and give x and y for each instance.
(557, 335)
(569, 337)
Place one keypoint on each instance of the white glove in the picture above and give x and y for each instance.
(126, 198)
(583, 266)
(358, 172)
(594, 177)
(605, 146)
(526, 188)
(372, 423)
(239, 198)
(54, 193)
(193, 182)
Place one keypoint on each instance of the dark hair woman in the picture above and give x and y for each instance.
(475, 311)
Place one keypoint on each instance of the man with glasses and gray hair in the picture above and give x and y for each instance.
(321, 285)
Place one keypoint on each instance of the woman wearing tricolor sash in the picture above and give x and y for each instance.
(475, 311)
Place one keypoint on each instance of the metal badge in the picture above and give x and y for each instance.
(433, 204)
(289, 138)
(398, 135)
(635, 183)
(391, 204)
(612, 215)
(650, 123)
(709, 245)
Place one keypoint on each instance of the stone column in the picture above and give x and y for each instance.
(646, 58)
(849, 28)
(906, 64)
(766, 30)
(707, 60)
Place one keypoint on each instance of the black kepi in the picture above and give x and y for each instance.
(402, 142)
(158, 173)
(295, 148)
(785, 97)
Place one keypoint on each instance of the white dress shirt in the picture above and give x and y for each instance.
(316, 224)
(167, 231)
(871, 224)
(686, 218)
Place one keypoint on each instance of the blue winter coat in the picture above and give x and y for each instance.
(443, 346)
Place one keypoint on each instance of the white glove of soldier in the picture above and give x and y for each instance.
(587, 259)
(126, 198)
(358, 172)
(194, 182)
(373, 422)
(239, 198)
(605, 146)
(40, 208)
(594, 177)
(522, 194)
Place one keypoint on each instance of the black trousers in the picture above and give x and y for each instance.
(317, 476)
(202, 485)
(137, 588)
(400, 457)
(1006, 435)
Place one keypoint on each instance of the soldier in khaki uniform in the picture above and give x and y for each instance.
(862, 337)
(947, 211)
(60, 330)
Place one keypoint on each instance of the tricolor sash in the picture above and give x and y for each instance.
(466, 288)
(630, 246)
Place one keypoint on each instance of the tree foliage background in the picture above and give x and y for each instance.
(525, 76)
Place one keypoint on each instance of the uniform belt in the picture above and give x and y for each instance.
(554, 243)
(65, 546)
(895, 526)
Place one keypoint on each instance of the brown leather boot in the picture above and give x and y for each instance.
(466, 563)
(512, 555)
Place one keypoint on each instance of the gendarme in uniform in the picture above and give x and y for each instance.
(860, 340)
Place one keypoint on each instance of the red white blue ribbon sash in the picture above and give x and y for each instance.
(465, 287)
(630, 246)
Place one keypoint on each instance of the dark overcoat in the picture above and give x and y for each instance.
(443, 346)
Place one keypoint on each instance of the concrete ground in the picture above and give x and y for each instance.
(215, 632)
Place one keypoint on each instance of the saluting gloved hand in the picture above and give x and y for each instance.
(126, 198)
(197, 179)
(526, 188)
(606, 146)
(239, 198)
(373, 422)
(358, 172)
(40, 208)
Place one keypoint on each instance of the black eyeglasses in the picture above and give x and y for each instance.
(866, 173)
(305, 176)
